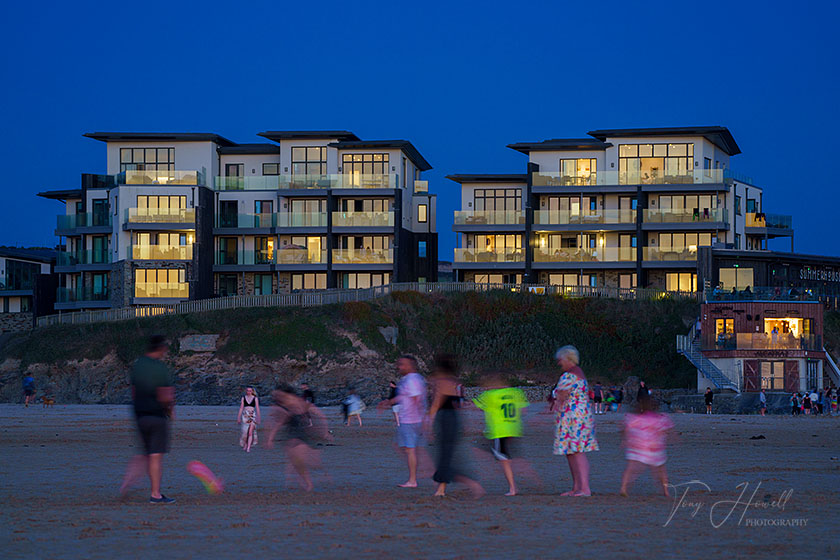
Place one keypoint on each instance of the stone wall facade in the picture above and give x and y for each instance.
(15, 322)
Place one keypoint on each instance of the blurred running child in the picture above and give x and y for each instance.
(502, 406)
(392, 396)
(355, 407)
(293, 414)
(644, 444)
(28, 390)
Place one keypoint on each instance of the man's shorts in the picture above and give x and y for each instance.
(28, 392)
(501, 448)
(154, 433)
(409, 435)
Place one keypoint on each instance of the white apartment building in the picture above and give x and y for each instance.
(625, 208)
(181, 216)
(19, 270)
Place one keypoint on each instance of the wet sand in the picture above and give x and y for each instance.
(60, 470)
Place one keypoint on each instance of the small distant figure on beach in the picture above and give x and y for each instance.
(644, 445)
(444, 414)
(643, 391)
(248, 418)
(392, 396)
(762, 403)
(355, 407)
(598, 397)
(293, 415)
(794, 404)
(28, 390)
(708, 398)
(502, 406)
(806, 404)
(574, 434)
(308, 394)
(153, 394)
(833, 401)
(411, 396)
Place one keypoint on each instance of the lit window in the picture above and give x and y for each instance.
(421, 249)
(422, 213)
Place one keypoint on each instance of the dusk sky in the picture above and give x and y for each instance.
(459, 80)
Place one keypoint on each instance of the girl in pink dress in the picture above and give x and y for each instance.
(644, 444)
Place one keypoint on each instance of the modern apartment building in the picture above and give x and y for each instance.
(182, 216)
(19, 272)
(624, 208)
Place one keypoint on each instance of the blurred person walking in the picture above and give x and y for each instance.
(575, 426)
(708, 398)
(644, 444)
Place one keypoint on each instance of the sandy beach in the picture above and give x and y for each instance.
(60, 469)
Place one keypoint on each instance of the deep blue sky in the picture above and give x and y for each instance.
(460, 80)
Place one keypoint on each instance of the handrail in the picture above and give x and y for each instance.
(333, 296)
(833, 369)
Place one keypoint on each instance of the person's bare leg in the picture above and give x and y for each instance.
(441, 489)
(137, 467)
(475, 488)
(508, 470)
(359, 416)
(411, 458)
(582, 464)
(250, 439)
(297, 456)
(397, 419)
(156, 472)
(573, 471)
(631, 472)
(661, 474)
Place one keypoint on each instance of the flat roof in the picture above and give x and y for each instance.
(61, 194)
(278, 135)
(560, 145)
(717, 135)
(404, 145)
(255, 148)
(489, 178)
(40, 255)
(798, 258)
(160, 137)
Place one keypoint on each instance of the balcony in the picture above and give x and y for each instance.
(301, 256)
(265, 221)
(81, 294)
(363, 256)
(76, 258)
(764, 293)
(161, 252)
(363, 219)
(160, 216)
(564, 217)
(695, 215)
(489, 217)
(489, 256)
(612, 178)
(164, 290)
(604, 254)
(670, 255)
(67, 222)
(157, 177)
(299, 182)
(243, 257)
(770, 221)
(764, 341)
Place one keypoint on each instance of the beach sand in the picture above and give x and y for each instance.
(60, 470)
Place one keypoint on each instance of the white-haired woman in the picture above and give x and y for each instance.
(575, 430)
(248, 418)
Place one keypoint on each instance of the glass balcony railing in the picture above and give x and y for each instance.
(81, 293)
(161, 252)
(697, 176)
(562, 217)
(160, 215)
(157, 177)
(489, 255)
(243, 257)
(173, 290)
(302, 219)
(604, 254)
(490, 217)
(670, 254)
(672, 216)
(334, 181)
(87, 219)
(301, 256)
(73, 258)
(764, 341)
(363, 256)
(759, 219)
(363, 219)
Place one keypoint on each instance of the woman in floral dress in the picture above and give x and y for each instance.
(575, 426)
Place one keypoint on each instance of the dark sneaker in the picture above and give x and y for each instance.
(162, 500)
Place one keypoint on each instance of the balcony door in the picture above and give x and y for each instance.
(227, 250)
(234, 169)
(228, 213)
(263, 209)
(100, 212)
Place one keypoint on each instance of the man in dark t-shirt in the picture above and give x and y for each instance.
(153, 395)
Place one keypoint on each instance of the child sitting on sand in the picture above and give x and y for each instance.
(644, 443)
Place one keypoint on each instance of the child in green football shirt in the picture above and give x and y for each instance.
(502, 406)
